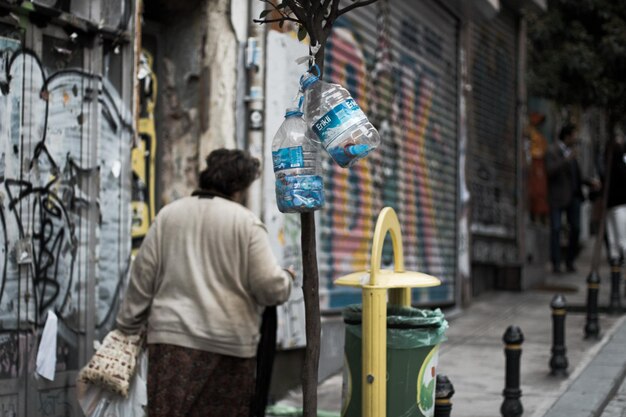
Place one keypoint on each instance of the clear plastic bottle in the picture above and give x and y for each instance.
(337, 121)
(299, 184)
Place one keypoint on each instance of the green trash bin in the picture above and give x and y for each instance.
(413, 338)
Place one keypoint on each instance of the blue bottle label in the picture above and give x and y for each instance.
(288, 158)
(341, 117)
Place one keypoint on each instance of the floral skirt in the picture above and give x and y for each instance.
(185, 382)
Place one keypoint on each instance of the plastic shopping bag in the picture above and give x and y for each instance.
(96, 401)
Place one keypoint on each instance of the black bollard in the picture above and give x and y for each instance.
(615, 305)
(513, 339)
(443, 392)
(558, 361)
(592, 327)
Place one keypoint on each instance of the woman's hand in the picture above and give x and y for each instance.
(291, 271)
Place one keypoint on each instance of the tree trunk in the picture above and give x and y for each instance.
(310, 289)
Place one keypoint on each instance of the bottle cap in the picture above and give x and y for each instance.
(293, 112)
(308, 80)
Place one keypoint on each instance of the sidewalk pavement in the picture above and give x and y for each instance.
(473, 355)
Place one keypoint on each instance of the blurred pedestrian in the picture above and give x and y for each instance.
(537, 178)
(616, 202)
(199, 282)
(564, 195)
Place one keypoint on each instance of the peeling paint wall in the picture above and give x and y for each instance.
(221, 61)
(178, 105)
(197, 93)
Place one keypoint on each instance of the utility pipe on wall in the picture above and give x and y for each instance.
(255, 66)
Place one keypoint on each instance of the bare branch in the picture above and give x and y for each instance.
(298, 10)
(302, 9)
(279, 19)
(334, 13)
(354, 6)
(317, 8)
(275, 6)
(326, 5)
(318, 19)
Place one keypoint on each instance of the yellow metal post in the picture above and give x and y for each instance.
(375, 285)
(388, 222)
(374, 348)
(400, 297)
(375, 316)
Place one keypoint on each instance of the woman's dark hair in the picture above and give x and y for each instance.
(229, 171)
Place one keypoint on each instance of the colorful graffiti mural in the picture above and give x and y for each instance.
(64, 201)
(415, 170)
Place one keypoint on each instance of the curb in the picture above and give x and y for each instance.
(594, 387)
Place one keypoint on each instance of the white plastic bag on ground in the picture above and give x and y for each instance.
(96, 401)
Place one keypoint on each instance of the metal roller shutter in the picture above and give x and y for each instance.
(399, 61)
(493, 151)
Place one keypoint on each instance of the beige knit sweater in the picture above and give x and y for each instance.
(202, 276)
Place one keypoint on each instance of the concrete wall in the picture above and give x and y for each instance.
(220, 60)
(197, 73)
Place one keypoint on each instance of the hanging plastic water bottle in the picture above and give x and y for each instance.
(299, 184)
(337, 120)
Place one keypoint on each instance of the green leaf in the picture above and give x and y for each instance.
(281, 6)
(264, 13)
(301, 33)
(576, 52)
(28, 5)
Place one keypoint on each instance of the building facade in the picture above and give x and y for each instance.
(66, 133)
(90, 153)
